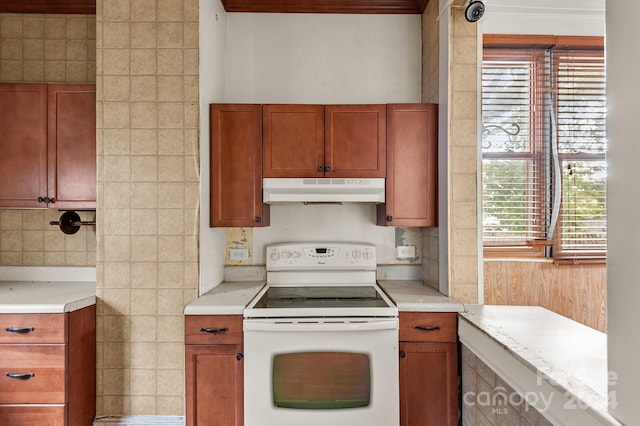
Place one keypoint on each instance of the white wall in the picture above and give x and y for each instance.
(212, 43)
(311, 58)
(304, 58)
(552, 17)
(623, 268)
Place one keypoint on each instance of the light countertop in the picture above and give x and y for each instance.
(545, 349)
(417, 296)
(45, 297)
(232, 297)
(228, 298)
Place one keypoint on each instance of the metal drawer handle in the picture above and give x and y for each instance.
(423, 328)
(19, 330)
(20, 376)
(214, 330)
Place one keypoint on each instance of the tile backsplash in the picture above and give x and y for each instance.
(49, 48)
(28, 239)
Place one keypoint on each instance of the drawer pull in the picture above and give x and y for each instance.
(213, 330)
(426, 328)
(20, 376)
(19, 330)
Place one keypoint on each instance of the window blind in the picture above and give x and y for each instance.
(582, 145)
(514, 166)
(543, 149)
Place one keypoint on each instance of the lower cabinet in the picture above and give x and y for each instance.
(428, 369)
(48, 368)
(214, 370)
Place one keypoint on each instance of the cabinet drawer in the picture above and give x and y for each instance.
(213, 329)
(428, 327)
(38, 374)
(32, 328)
(25, 415)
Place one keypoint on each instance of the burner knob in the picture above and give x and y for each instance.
(275, 255)
(356, 254)
(366, 255)
(296, 254)
(286, 254)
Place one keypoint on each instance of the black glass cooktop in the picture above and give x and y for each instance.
(321, 297)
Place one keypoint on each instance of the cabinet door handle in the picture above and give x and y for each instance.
(20, 376)
(402, 354)
(389, 218)
(427, 328)
(213, 330)
(320, 168)
(327, 169)
(239, 357)
(45, 200)
(258, 219)
(19, 330)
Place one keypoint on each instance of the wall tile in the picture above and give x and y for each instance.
(33, 49)
(116, 35)
(143, 10)
(150, 153)
(144, 35)
(144, 248)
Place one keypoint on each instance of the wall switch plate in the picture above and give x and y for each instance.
(406, 252)
(238, 254)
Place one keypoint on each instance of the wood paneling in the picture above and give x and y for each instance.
(48, 6)
(578, 292)
(326, 6)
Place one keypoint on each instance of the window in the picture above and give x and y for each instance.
(544, 146)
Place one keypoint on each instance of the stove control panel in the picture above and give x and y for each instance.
(295, 256)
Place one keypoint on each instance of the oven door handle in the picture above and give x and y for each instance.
(310, 325)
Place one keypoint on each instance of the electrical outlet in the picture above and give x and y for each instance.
(406, 252)
(238, 254)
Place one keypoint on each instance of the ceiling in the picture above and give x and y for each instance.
(256, 6)
(326, 6)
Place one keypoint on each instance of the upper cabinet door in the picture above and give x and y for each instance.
(23, 145)
(236, 166)
(72, 146)
(293, 140)
(355, 140)
(411, 185)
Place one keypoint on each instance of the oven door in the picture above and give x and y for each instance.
(325, 372)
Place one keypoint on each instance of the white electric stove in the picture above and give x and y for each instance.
(321, 340)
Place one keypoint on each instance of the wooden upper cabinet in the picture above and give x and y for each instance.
(48, 145)
(23, 162)
(355, 141)
(293, 140)
(236, 166)
(411, 185)
(324, 141)
(72, 146)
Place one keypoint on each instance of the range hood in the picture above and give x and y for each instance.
(323, 190)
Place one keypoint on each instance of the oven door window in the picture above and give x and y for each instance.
(321, 380)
